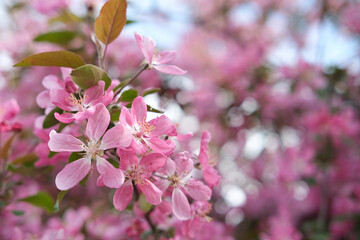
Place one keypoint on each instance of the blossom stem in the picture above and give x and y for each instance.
(127, 82)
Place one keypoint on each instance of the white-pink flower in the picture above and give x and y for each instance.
(155, 59)
(139, 173)
(178, 173)
(94, 146)
(147, 133)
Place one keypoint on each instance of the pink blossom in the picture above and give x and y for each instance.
(147, 134)
(94, 148)
(157, 59)
(178, 173)
(83, 105)
(8, 111)
(210, 174)
(139, 173)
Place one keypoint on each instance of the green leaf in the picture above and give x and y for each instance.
(50, 119)
(111, 21)
(51, 154)
(151, 109)
(65, 17)
(52, 59)
(58, 37)
(129, 95)
(74, 156)
(143, 204)
(115, 115)
(32, 157)
(130, 21)
(6, 149)
(151, 91)
(60, 196)
(41, 199)
(61, 126)
(89, 75)
(18, 213)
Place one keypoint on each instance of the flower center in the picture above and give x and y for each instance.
(92, 149)
(134, 173)
(78, 102)
(144, 129)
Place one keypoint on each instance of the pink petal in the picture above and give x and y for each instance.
(180, 205)
(81, 116)
(126, 118)
(94, 92)
(73, 173)
(164, 57)
(98, 122)
(52, 81)
(60, 142)
(43, 99)
(184, 164)
(184, 137)
(170, 69)
(111, 177)
(169, 168)
(138, 146)
(116, 137)
(153, 162)
(165, 147)
(139, 110)
(163, 125)
(146, 45)
(151, 192)
(128, 158)
(65, 117)
(162, 184)
(123, 196)
(211, 176)
(198, 190)
(204, 146)
(61, 99)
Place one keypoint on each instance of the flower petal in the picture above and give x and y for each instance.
(111, 177)
(62, 99)
(146, 45)
(73, 173)
(153, 162)
(60, 142)
(139, 110)
(94, 92)
(204, 146)
(164, 57)
(65, 117)
(180, 205)
(128, 158)
(163, 125)
(43, 99)
(126, 118)
(170, 69)
(98, 122)
(165, 147)
(198, 190)
(211, 176)
(123, 196)
(116, 137)
(138, 146)
(184, 164)
(151, 192)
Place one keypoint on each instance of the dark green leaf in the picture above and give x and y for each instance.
(115, 115)
(130, 21)
(52, 59)
(89, 75)
(151, 109)
(18, 213)
(61, 126)
(151, 91)
(41, 199)
(51, 154)
(129, 95)
(32, 157)
(60, 196)
(74, 156)
(50, 119)
(59, 37)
